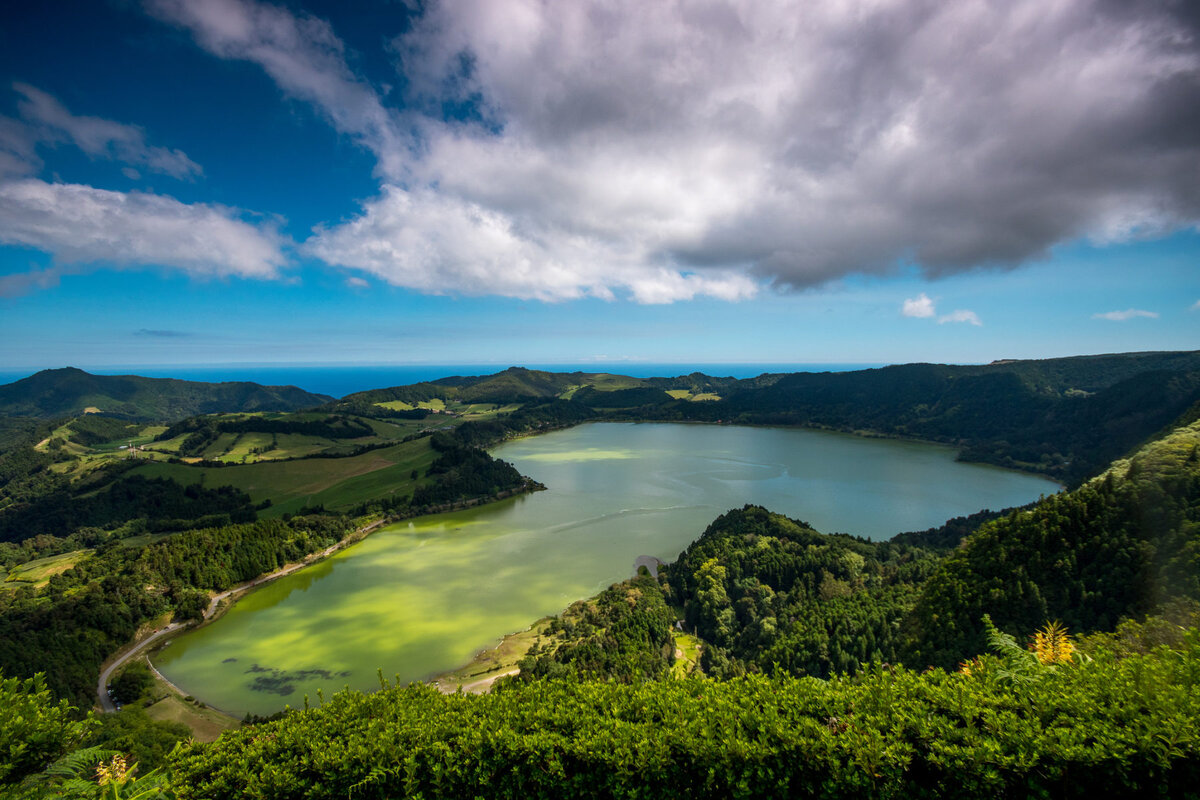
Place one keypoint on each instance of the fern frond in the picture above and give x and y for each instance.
(1019, 663)
(80, 763)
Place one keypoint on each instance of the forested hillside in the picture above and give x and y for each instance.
(1123, 544)
(1007, 414)
(770, 594)
(163, 505)
(69, 392)
(86, 613)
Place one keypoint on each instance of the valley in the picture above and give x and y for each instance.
(845, 548)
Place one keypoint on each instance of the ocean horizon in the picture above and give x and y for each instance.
(339, 381)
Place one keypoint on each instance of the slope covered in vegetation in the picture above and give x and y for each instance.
(70, 391)
(770, 594)
(1110, 724)
(1123, 544)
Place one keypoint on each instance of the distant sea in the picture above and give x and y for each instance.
(343, 380)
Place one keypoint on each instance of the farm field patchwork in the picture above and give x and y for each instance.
(336, 483)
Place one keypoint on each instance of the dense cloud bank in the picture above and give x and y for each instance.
(663, 151)
(803, 143)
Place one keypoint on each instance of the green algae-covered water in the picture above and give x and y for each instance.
(422, 597)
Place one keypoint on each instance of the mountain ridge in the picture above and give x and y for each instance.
(70, 391)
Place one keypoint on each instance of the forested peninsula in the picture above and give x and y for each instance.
(1052, 650)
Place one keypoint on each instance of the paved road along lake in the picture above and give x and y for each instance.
(422, 597)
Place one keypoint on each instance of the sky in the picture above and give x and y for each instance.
(596, 181)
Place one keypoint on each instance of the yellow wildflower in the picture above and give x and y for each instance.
(113, 772)
(1052, 644)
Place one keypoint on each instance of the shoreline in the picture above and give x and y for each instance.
(490, 664)
(217, 607)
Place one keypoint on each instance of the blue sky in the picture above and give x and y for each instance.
(225, 181)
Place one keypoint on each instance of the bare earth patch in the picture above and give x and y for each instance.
(488, 666)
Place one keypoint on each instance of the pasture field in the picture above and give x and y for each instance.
(686, 394)
(687, 655)
(247, 447)
(38, 571)
(220, 446)
(336, 483)
(603, 382)
(170, 445)
(476, 411)
(144, 436)
(395, 429)
(254, 446)
(606, 382)
(436, 404)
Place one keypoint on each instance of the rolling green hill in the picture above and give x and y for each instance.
(71, 392)
(515, 384)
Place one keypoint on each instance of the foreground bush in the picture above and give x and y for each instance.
(1108, 725)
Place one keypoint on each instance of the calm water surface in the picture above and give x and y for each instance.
(422, 597)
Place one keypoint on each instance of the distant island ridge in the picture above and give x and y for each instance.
(339, 381)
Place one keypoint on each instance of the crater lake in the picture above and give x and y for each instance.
(423, 596)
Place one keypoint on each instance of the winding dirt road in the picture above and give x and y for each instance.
(106, 703)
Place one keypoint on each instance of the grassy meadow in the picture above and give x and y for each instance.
(336, 483)
(37, 573)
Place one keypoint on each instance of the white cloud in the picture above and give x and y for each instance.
(960, 315)
(435, 243)
(668, 150)
(355, 282)
(1195, 306)
(100, 138)
(84, 225)
(920, 306)
(805, 143)
(1127, 314)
